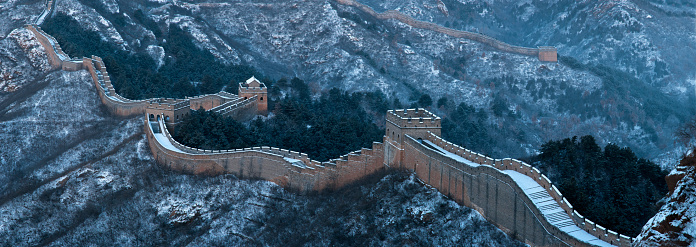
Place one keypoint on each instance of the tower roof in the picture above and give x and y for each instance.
(253, 82)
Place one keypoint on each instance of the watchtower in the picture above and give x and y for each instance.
(415, 123)
(548, 54)
(173, 110)
(253, 87)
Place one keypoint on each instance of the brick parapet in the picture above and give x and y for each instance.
(449, 163)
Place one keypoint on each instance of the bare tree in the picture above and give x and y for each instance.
(687, 132)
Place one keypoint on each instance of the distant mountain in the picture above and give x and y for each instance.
(625, 74)
(652, 40)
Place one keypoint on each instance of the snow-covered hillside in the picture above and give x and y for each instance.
(675, 223)
(331, 45)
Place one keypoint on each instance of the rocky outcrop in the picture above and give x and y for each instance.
(675, 223)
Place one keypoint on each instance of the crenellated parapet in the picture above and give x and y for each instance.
(290, 169)
(399, 123)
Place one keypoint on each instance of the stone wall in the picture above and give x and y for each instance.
(483, 39)
(292, 170)
(207, 102)
(548, 54)
(493, 193)
(48, 10)
(485, 188)
(116, 104)
(53, 58)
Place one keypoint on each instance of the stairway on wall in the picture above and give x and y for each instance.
(553, 212)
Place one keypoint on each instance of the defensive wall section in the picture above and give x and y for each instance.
(545, 53)
(173, 110)
(510, 193)
(47, 11)
(57, 58)
(290, 169)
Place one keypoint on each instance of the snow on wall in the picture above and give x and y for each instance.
(468, 177)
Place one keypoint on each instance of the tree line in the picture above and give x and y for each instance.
(610, 186)
(186, 70)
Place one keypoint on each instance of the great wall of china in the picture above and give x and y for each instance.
(509, 193)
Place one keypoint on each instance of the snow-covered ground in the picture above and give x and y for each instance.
(675, 223)
(22, 60)
(331, 45)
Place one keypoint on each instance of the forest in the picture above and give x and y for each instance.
(610, 186)
(187, 70)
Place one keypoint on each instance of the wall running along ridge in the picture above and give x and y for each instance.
(509, 193)
(544, 53)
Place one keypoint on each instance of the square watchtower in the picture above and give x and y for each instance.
(173, 110)
(413, 122)
(253, 87)
(548, 54)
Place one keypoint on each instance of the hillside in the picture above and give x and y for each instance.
(675, 223)
(79, 169)
(331, 45)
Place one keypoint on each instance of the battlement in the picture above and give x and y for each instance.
(252, 83)
(168, 104)
(413, 118)
(413, 122)
(451, 152)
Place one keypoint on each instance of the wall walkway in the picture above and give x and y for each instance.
(292, 170)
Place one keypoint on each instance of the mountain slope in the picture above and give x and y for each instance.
(331, 45)
(675, 223)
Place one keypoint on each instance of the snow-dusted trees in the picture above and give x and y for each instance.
(612, 187)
